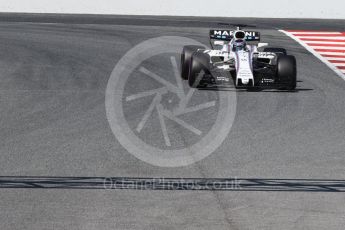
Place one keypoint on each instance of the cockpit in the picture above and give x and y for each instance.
(239, 42)
(239, 45)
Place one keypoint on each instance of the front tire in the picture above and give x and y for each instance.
(287, 71)
(200, 65)
(186, 58)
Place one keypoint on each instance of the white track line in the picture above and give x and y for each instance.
(339, 64)
(335, 59)
(332, 53)
(342, 38)
(326, 42)
(313, 32)
(340, 49)
(339, 72)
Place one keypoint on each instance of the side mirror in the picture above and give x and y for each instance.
(262, 45)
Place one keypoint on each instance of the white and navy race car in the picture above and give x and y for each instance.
(235, 57)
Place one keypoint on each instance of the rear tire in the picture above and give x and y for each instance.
(186, 57)
(275, 50)
(200, 65)
(287, 71)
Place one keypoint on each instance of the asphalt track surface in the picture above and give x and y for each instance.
(54, 130)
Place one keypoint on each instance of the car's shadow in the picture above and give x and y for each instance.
(232, 88)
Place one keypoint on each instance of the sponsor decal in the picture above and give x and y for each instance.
(229, 34)
(249, 34)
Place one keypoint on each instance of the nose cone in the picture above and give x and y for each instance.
(245, 81)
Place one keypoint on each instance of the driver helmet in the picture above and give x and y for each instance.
(239, 44)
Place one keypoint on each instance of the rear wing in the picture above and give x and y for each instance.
(227, 35)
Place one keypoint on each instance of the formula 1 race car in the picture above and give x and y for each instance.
(234, 55)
